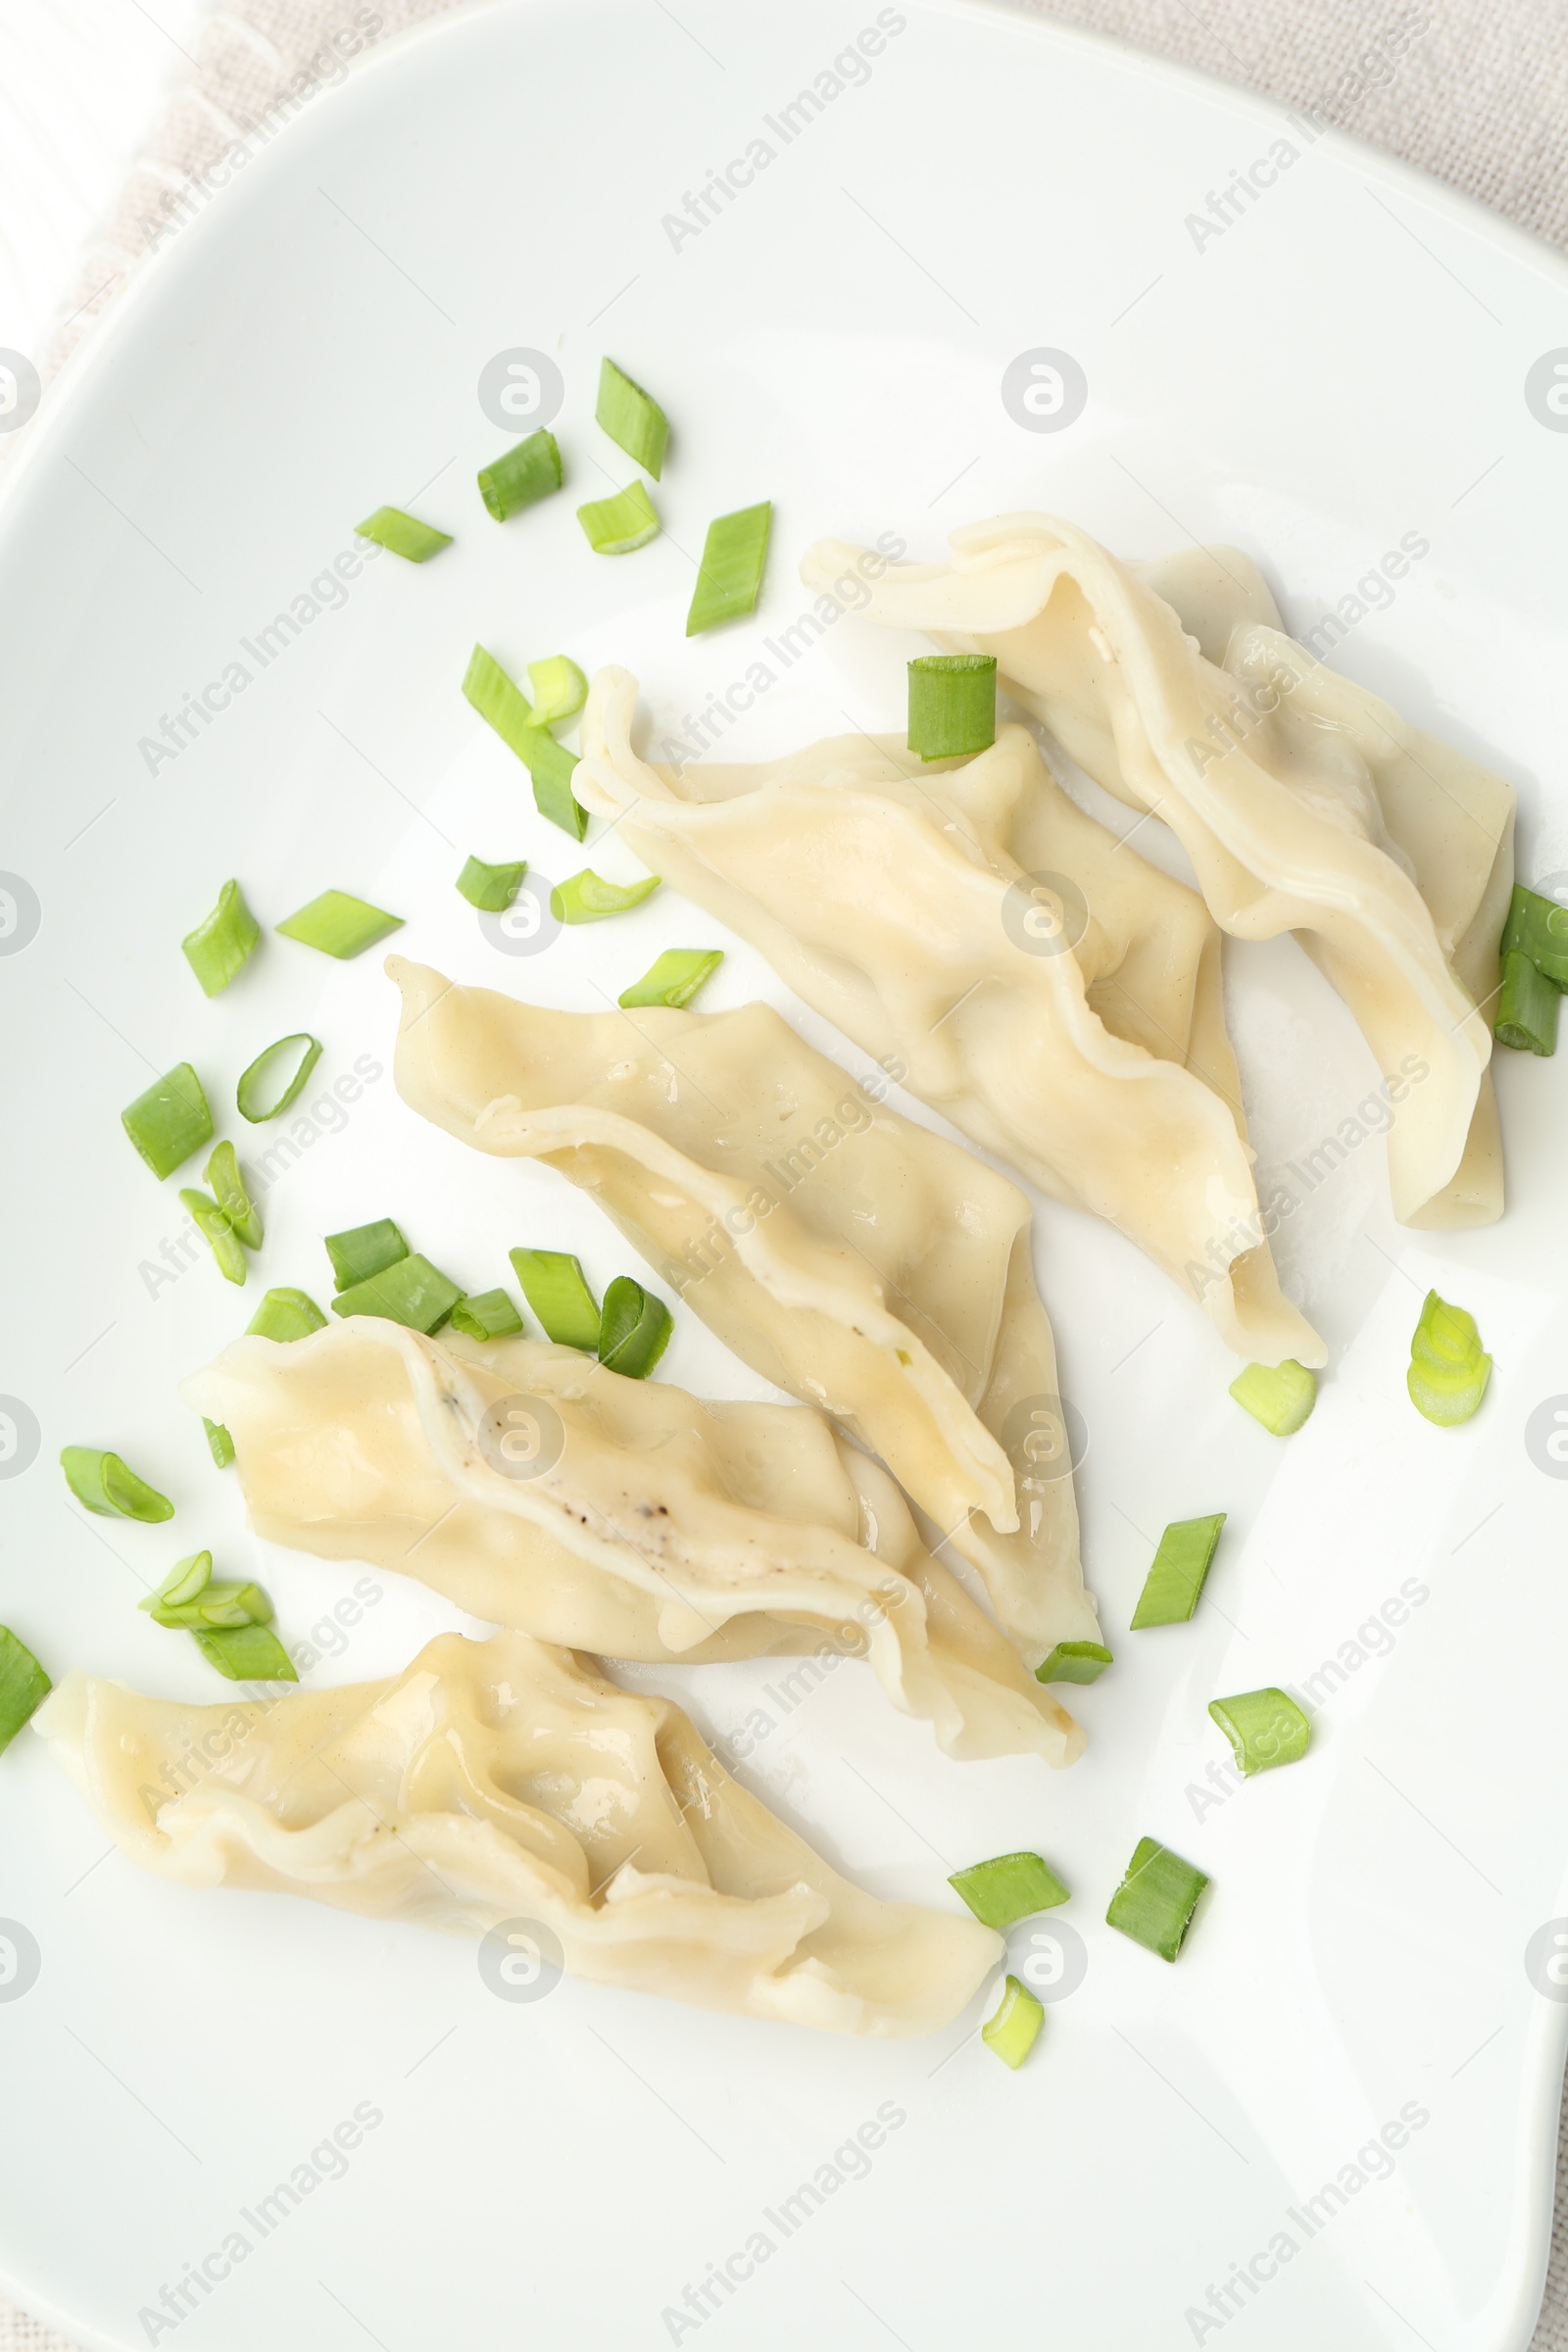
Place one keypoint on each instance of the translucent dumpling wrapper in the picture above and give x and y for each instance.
(504, 1788)
(539, 1491)
(1305, 803)
(1038, 983)
(858, 1260)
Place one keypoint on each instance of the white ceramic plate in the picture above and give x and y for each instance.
(1340, 372)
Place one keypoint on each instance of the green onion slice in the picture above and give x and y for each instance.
(521, 477)
(188, 1576)
(412, 1292)
(491, 888)
(488, 1315)
(1013, 1887)
(586, 899)
(1074, 1662)
(730, 577)
(228, 1187)
(285, 1314)
(1448, 1368)
(276, 1076)
(1527, 1007)
(404, 534)
(1265, 1728)
(504, 708)
(171, 1120)
(218, 946)
(220, 1605)
(339, 924)
(634, 1329)
(633, 418)
(1181, 1564)
(1280, 1395)
(363, 1251)
(1156, 1899)
(219, 1444)
(614, 526)
(1537, 928)
(560, 690)
(557, 1289)
(246, 1654)
(952, 705)
(106, 1485)
(217, 1232)
(23, 1684)
(675, 978)
(1012, 2032)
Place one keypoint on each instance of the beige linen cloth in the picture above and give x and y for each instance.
(1475, 91)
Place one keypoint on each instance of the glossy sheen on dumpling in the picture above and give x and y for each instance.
(1305, 803)
(538, 1491)
(896, 901)
(503, 1782)
(858, 1260)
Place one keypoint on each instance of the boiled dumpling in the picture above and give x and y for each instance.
(1083, 1044)
(863, 1264)
(539, 1491)
(1305, 803)
(504, 1785)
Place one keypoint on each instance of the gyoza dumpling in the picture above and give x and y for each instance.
(893, 898)
(539, 1491)
(869, 1266)
(1305, 803)
(504, 1785)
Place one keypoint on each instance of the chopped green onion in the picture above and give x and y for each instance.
(557, 1290)
(285, 1314)
(1527, 1007)
(220, 1605)
(266, 1088)
(219, 1444)
(491, 888)
(1011, 1887)
(171, 1120)
(1265, 1728)
(1280, 1395)
(521, 477)
(488, 1315)
(503, 707)
(229, 1186)
(675, 978)
(952, 705)
(560, 690)
(1537, 928)
(1074, 1662)
(1448, 1370)
(614, 526)
(412, 1292)
(1182, 1562)
(731, 572)
(246, 1654)
(585, 898)
(1012, 2033)
(104, 1484)
(218, 946)
(633, 418)
(188, 1576)
(363, 1251)
(634, 1329)
(23, 1684)
(404, 534)
(339, 924)
(217, 1232)
(1156, 1899)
